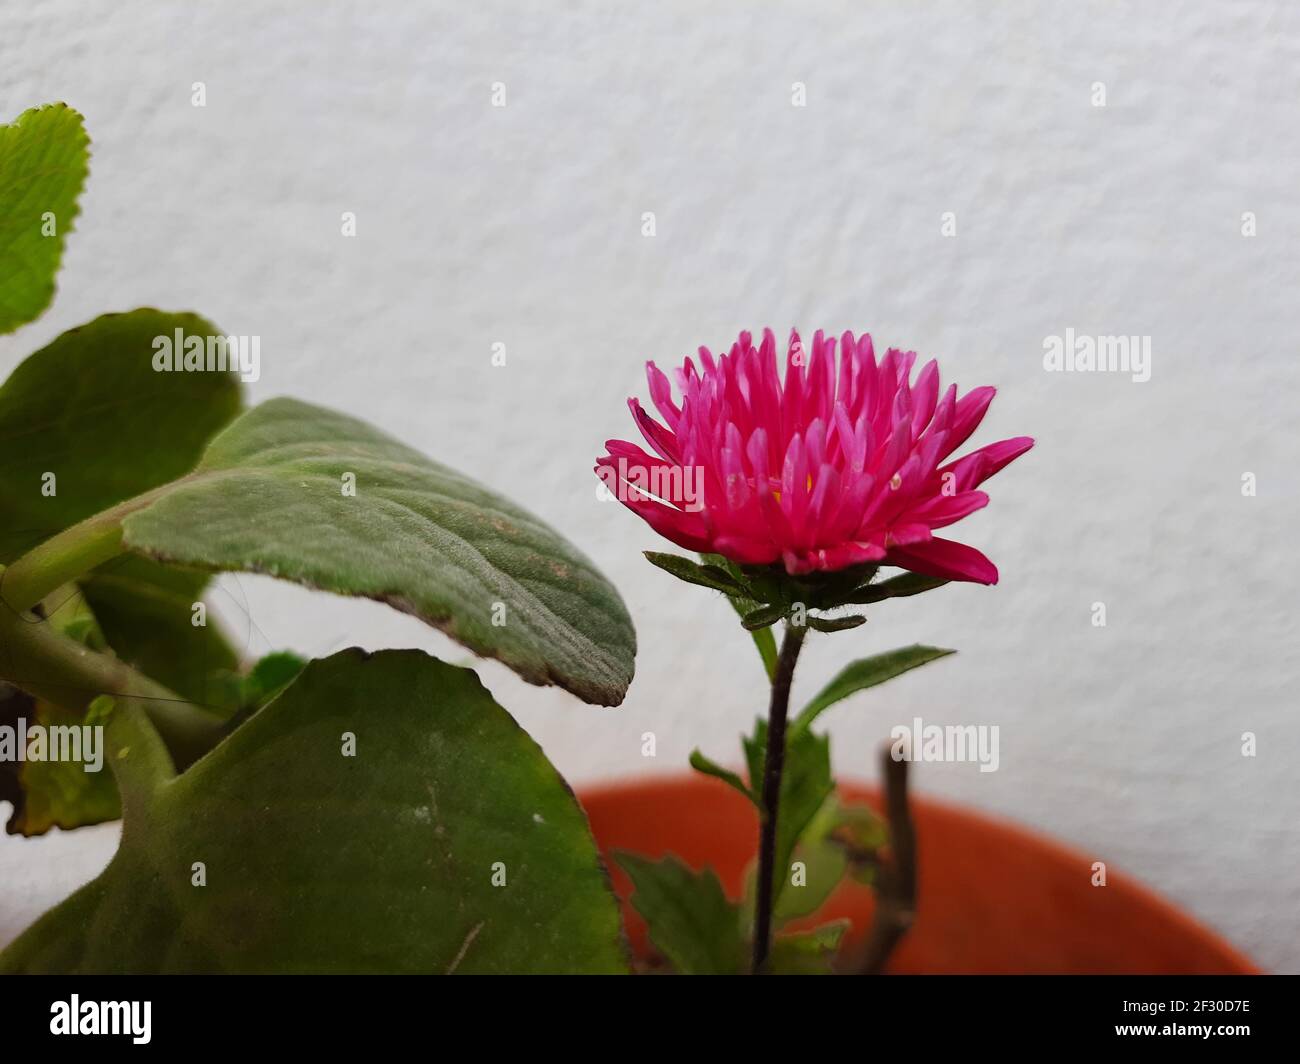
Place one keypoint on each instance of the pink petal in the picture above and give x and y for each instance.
(970, 411)
(947, 559)
(946, 509)
(973, 469)
(655, 434)
(661, 394)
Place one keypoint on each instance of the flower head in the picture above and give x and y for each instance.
(829, 467)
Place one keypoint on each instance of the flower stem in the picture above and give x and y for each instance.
(773, 765)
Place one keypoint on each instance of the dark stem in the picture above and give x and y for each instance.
(773, 764)
(896, 890)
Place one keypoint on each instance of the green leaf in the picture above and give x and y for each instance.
(270, 496)
(806, 783)
(840, 840)
(824, 867)
(766, 643)
(152, 632)
(710, 576)
(43, 164)
(858, 834)
(895, 587)
(835, 624)
(47, 794)
(688, 916)
(807, 952)
(864, 673)
(316, 861)
(763, 638)
(272, 674)
(711, 768)
(90, 409)
(146, 613)
(763, 616)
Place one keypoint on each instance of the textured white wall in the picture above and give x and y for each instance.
(522, 225)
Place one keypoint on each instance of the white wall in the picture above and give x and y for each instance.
(522, 225)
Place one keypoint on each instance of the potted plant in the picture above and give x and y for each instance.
(382, 812)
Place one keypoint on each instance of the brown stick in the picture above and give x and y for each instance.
(896, 889)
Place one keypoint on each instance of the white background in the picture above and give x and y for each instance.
(523, 225)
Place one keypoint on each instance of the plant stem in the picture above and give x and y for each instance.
(773, 765)
(47, 665)
(68, 555)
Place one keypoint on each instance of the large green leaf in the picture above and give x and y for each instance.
(43, 164)
(316, 861)
(90, 409)
(272, 495)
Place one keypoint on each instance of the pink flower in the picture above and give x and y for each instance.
(819, 471)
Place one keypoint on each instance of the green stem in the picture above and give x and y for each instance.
(773, 766)
(50, 666)
(66, 556)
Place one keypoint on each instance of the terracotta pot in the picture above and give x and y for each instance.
(994, 898)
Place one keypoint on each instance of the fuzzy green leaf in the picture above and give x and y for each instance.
(313, 496)
(903, 586)
(90, 409)
(444, 842)
(835, 624)
(763, 616)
